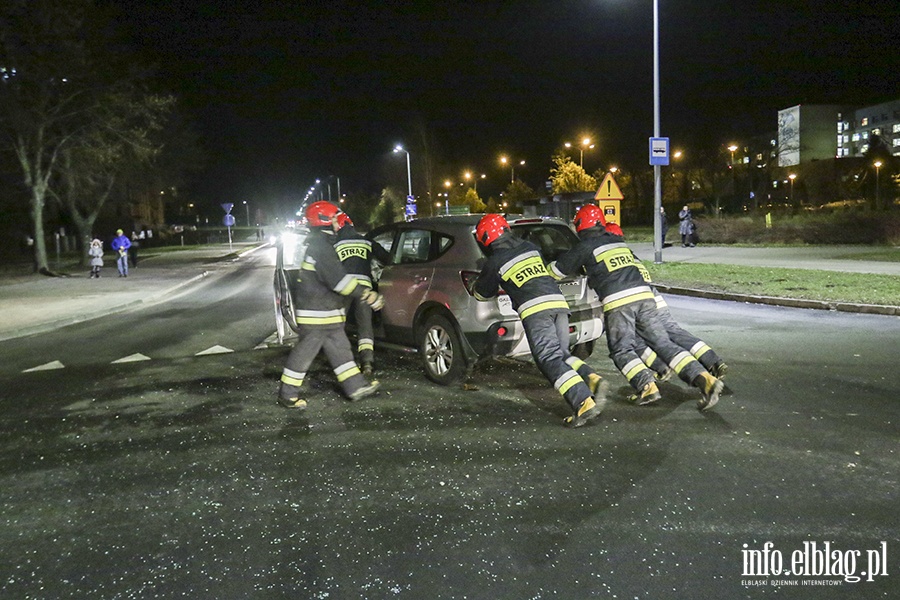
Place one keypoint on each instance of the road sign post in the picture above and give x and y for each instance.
(609, 198)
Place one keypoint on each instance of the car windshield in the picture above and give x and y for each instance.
(552, 239)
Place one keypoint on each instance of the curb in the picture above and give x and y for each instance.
(872, 309)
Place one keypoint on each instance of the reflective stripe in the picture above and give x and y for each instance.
(554, 271)
(365, 344)
(531, 254)
(346, 371)
(575, 362)
(293, 378)
(648, 356)
(540, 303)
(699, 349)
(660, 302)
(566, 381)
(632, 368)
(320, 317)
(308, 265)
(523, 268)
(363, 280)
(681, 360)
(353, 248)
(628, 296)
(346, 285)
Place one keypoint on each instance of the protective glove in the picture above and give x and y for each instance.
(373, 299)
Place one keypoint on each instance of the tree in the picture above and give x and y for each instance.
(389, 209)
(476, 205)
(68, 112)
(515, 193)
(566, 177)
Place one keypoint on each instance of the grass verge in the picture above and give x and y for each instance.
(829, 286)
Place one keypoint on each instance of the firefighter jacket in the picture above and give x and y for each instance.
(355, 253)
(610, 267)
(322, 284)
(516, 266)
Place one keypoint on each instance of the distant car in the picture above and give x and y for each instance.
(290, 251)
(428, 307)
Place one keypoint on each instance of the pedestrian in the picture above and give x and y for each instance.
(135, 246)
(629, 310)
(355, 253)
(120, 246)
(664, 224)
(96, 254)
(686, 226)
(321, 312)
(516, 266)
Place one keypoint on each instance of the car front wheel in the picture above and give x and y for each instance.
(441, 351)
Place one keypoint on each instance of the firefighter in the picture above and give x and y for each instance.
(684, 338)
(355, 253)
(516, 266)
(629, 310)
(322, 286)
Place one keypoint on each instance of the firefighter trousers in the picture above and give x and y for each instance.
(365, 336)
(333, 341)
(624, 325)
(548, 336)
(682, 337)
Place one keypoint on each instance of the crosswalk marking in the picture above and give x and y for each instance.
(46, 367)
(215, 350)
(131, 358)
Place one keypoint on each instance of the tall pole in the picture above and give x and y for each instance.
(408, 174)
(657, 170)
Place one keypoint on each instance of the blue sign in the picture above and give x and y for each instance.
(228, 220)
(227, 207)
(659, 151)
(410, 210)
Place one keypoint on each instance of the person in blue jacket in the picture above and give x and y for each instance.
(120, 246)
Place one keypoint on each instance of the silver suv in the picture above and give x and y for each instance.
(428, 307)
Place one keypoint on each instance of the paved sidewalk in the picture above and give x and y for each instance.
(35, 303)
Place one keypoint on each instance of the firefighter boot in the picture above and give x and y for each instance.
(367, 369)
(711, 388)
(593, 382)
(297, 403)
(719, 370)
(587, 411)
(649, 394)
(365, 391)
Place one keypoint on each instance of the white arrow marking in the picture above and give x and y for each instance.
(131, 358)
(215, 350)
(47, 367)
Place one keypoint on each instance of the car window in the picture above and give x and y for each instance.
(386, 241)
(414, 246)
(552, 240)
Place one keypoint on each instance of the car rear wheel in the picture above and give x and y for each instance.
(441, 350)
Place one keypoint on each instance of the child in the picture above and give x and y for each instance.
(96, 254)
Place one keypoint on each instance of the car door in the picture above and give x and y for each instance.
(405, 281)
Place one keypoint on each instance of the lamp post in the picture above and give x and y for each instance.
(447, 184)
(657, 170)
(585, 143)
(877, 184)
(792, 177)
(247, 206)
(512, 173)
(399, 148)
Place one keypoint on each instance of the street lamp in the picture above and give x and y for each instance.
(792, 177)
(247, 206)
(585, 143)
(657, 169)
(400, 148)
(877, 184)
(512, 173)
(447, 184)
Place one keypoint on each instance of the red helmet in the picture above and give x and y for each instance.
(588, 216)
(614, 229)
(343, 219)
(319, 214)
(489, 228)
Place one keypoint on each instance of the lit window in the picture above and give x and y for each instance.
(846, 138)
(855, 137)
(864, 122)
(896, 142)
(864, 135)
(840, 140)
(864, 148)
(840, 127)
(896, 128)
(876, 131)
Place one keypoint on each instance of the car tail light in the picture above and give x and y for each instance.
(571, 329)
(501, 331)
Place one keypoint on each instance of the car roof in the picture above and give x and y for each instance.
(471, 220)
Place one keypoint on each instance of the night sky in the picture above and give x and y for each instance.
(285, 92)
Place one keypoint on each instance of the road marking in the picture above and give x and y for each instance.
(46, 367)
(132, 358)
(215, 350)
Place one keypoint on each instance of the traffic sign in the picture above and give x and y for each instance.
(228, 220)
(227, 207)
(609, 190)
(659, 151)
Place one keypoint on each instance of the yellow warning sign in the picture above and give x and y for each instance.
(609, 190)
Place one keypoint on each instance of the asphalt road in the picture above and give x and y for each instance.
(177, 475)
